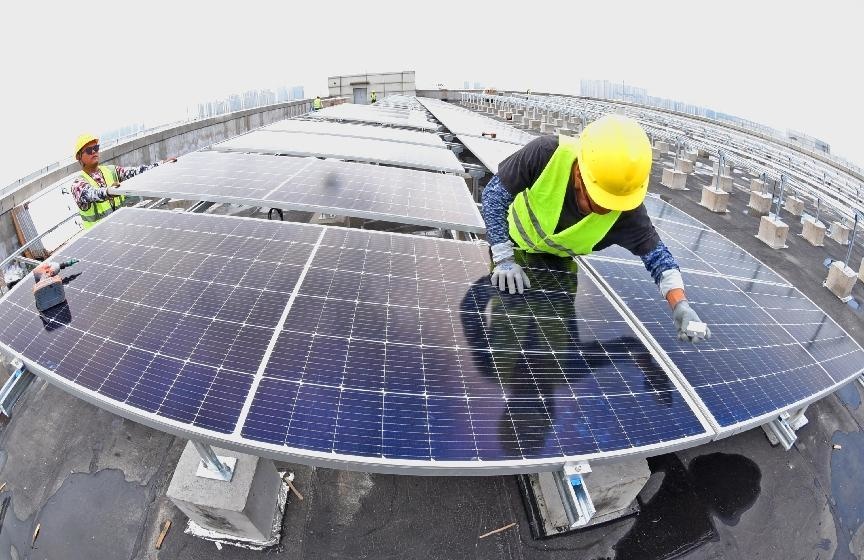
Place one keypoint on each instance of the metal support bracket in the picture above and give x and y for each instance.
(14, 387)
(782, 429)
(214, 466)
(574, 493)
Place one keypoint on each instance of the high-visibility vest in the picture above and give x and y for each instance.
(534, 214)
(374, 97)
(316, 103)
(98, 210)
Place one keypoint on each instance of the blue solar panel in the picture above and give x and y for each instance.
(697, 247)
(398, 347)
(771, 347)
(167, 314)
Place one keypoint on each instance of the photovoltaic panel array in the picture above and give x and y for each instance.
(329, 344)
(464, 122)
(344, 147)
(698, 248)
(398, 347)
(336, 187)
(372, 114)
(771, 348)
(318, 126)
(489, 152)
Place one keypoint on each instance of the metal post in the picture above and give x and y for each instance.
(780, 196)
(212, 465)
(852, 240)
(818, 204)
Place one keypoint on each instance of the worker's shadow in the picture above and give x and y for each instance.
(534, 346)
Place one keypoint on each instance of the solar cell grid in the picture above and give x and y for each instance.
(771, 347)
(318, 126)
(352, 189)
(344, 147)
(480, 377)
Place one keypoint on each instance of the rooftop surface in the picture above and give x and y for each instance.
(95, 483)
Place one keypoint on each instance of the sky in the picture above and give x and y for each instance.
(74, 67)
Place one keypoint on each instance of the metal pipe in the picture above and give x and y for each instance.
(780, 196)
(852, 240)
(210, 460)
(818, 205)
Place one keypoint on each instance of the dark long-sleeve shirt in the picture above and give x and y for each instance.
(633, 230)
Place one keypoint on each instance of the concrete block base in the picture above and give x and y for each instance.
(723, 183)
(662, 146)
(613, 489)
(675, 180)
(244, 507)
(566, 131)
(760, 203)
(841, 279)
(773, 232)
(839, 233)
(794, 205)
(684, 166)
(534, 123)
(714, 199)
(547, 128)
(655, 153)
(756, 185)
(690, 156)
(814, 232)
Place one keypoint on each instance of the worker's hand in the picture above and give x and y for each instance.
(682, 315)
(112, 190)
(508, 275)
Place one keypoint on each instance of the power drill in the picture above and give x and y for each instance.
(48, 289)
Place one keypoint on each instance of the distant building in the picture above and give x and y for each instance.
(467, 85)
(809, 142)
(358, 87)
(297, 93)
(478, 85)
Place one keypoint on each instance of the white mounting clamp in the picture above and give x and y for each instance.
(781, 430)
(574, 493)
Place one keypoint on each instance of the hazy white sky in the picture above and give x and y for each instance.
(70, 67)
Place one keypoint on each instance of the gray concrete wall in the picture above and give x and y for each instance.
(148, 148)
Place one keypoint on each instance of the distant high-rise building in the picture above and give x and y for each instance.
(467, 85)
(297, 93)
(478, 85)
(283, 95)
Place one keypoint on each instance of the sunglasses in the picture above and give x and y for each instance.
(90, 150)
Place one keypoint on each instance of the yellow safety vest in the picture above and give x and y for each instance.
(316, 103)
(534, 214)
(99, 210)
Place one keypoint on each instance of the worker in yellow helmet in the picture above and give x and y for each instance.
(569, 197)
(373, 97)
(93, 187)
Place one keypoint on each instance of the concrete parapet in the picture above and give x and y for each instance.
(715, 200)
(773, 232)
(814, 232)
(675, 180)
(684, 166)
(243, 507)
(839, 233)
(841, 279)
(794, 205)
(760, 202)
(757, 185)
(725, 183)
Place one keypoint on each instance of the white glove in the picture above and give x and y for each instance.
(682, 315)
(508, 275)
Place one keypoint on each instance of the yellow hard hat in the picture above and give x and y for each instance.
(82, 141)
(615, 162)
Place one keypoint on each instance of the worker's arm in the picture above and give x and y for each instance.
(515, 174)
(506, 274)
(667, 275)
(124, 173)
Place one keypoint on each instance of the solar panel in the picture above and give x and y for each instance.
(489, 152)
(329, 345)
(356, 149)
(334, 187)
(464, 122)
(697, 247)
(772, 349)
(400, 348)
(358, 131)
(373, 114)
